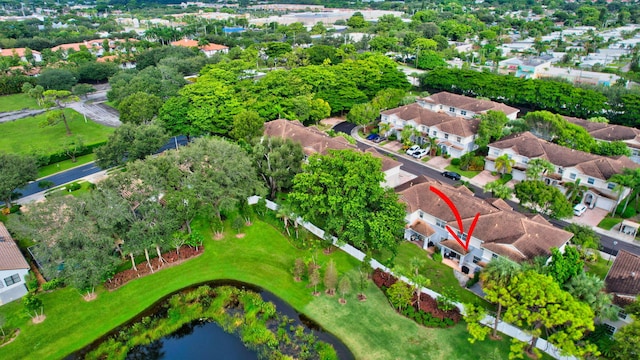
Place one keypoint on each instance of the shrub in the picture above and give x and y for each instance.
(629, 212)
(455, 162)
(32, 282)
(392, 137)
(51, 285)
(74, 186)
(437, 257)
(15, 208)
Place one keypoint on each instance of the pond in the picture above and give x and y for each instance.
(203, 336)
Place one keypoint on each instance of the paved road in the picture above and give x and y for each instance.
(93, 107)
(19, 114)
(86, 170)
(418, 168)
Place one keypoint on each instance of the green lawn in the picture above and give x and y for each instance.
(600, 268)
(441, 275)
(17, 102)
(65, 165)
(609, 222)
(371, 329)
(26, 136)
(465, 173)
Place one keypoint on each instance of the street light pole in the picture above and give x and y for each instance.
(614, 249)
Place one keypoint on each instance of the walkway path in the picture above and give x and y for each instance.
(19, 114)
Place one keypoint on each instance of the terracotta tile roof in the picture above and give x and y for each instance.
(606, 132)
(468, 103)
(10, 256)
(213, 47)
(312, 140)
(185, 43)
(528, 145)
(387, 162)
(422, 228)
(502, 230)
(449, 124)
(18, 51)
(624, 276)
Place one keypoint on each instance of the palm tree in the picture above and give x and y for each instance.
(433, 143)
(504, 164)
(498, 190)
(496, 275)
(629, 178)
(575, 191)
(384, 128)
(537, 167)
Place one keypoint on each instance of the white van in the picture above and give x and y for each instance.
(579, 209)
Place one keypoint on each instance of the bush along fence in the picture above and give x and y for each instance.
(488, 320)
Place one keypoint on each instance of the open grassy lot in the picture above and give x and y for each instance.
(25, 135)
(17, 102)
(371, 329)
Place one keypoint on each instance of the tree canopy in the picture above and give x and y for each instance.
(15, 172)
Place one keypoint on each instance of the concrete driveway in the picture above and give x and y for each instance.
(591, 217)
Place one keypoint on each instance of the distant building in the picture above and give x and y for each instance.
(527, 68)
(209, 49)
(21, 52)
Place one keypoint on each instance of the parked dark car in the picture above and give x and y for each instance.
(379, 139)
(373, 137)
(451, 175)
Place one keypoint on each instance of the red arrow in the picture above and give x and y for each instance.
(456, 213)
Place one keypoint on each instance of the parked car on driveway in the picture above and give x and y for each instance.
(379, 139)
(419, 154)
(452, 175)
(373, 137)
(579, 209)
(413, 149)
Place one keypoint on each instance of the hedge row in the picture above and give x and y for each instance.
(48, 159)
(12, 84)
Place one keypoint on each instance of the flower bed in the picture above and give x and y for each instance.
(428, 313)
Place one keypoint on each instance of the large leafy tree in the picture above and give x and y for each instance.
(495, 278)
(277, 161)
(583, 236)
(341, 192)
(547, 199)
(590, 290)
(58, 99)
(564, 266)
(15, 172)
(130, 142)
(536, 303)
(626, 342)
(139, 108)
(491, 127)
(247, 125)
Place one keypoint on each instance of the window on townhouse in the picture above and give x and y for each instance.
(476, 259)
(435, 133)
(494, 256)
(13, 279)
(611, 186)
(609, 329)
(440, 107)
(572, 176)
(446, 136)
(525, 160)
(452, 109)
(591, 181)
(496, 152)
(458, 139)
(440, 223)
(421, 214)
(560, 170)
(463, 112)
(622, 314)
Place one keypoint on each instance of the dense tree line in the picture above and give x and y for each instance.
(308, 93)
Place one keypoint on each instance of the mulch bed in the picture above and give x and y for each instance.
(427, 303)
(172, 258)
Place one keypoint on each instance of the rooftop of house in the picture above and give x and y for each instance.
(17, 51)
(502, 230)
(10, 256)
(606, 132)
(449, 124)
(528, 145)
(185, 43)
(624, 276)
(312, 140)
(468, 103)
(213, 47)
(387, 162)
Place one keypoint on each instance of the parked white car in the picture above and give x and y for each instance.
(413, 149)
(419, 154)
(579, 209)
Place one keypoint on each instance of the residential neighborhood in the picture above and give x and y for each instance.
(345, 180)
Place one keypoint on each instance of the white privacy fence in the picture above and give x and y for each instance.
(503, 327)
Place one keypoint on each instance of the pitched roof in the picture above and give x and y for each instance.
(502, 230)
(213, 47)
(185, 43)
(468, 103)
(528, 145)
(10, 256)
(18, 51)
(449, 124)
(606, 132)
(422, 228)
(624, 275)
(312, 140)
(387, 162)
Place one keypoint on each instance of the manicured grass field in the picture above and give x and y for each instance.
(65, 165)
(600, 268)
(17, 102)
(264, 257)
(467, 174)
(25, 135)
(609, 222)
